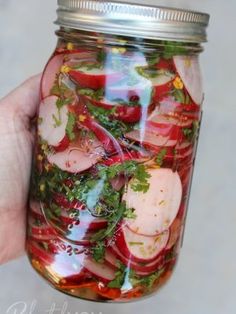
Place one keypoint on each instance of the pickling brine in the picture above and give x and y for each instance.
(117, 131)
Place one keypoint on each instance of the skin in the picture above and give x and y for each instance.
(16, 144)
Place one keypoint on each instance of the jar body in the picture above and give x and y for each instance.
(118, 126)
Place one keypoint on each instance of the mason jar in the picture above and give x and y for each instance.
(117, 131)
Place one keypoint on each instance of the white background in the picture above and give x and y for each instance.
(205, 279)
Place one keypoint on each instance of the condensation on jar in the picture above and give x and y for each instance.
(117, 131)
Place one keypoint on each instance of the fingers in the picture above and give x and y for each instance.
(24, 98)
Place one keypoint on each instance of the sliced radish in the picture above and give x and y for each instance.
(175, 232)
(50, 74)
(189, 70)
(79, 236)
(118, 182)
(101, 271)
(117, 159)
(142, 269)
(111, 259)
(156, 209)
(169, 119)
(95, 78)
(147, 90)
(168, 107)
(62, 201)
(88, 222)
(35, 210)
(150, 137)
(125, 113)
(162, 85)
(39, 253)
(164, 64)
(43, 233)
(138, 247)
(75, 160)
(74, 58)
(52, 121)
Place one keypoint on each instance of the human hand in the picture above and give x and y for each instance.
(16, 143)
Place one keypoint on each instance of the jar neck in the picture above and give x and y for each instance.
(91, 39)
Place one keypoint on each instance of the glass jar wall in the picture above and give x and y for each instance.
(118, 124)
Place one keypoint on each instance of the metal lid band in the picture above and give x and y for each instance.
(133, 20)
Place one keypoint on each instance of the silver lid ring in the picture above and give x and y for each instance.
(133, 20)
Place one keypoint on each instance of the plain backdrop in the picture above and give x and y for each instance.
(205, 279)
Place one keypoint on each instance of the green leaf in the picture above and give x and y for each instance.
(153, 59)
(129, 213)
(70, 126)
(179, 95)
(101, 56)
(98, 252)
(57, 120)
(113, 220)
(147, 281)
(160, 157)
(191, 133)
(119, 278)
(171, 49)
(140, 180)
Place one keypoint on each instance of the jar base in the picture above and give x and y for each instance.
(95, 292)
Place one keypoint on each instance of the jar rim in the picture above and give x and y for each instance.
(133, 20)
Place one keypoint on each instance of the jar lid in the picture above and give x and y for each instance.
(151, 22)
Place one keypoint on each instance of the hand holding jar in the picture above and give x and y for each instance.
(117, 130)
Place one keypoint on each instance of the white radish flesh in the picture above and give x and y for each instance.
(50, 74)
(75, 160)
(52, 121)
(189, 70)
(178, 120)
(156, 209)
(150, 138)
(102, 271)
(142, 247)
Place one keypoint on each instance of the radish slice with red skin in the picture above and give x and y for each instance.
(50, 74)
(169, 106)
(169, 119)
(52, 133)
(175, 232)
(139, 248)
(101, 271)
(44, 229)
(111, 259)
(85, 221)
(156, 209)
(40, 253)
(189, 70)
(94, 78)
(35, 210)
(72, 233)
(75, 160)
(125, 113)
(118, 182)
(62, 201)
(117, 159)
(158, 86)
(109, 143)
(74, 58)
(150, 138)
(143, 269)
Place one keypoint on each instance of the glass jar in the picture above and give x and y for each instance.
(118, 124)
